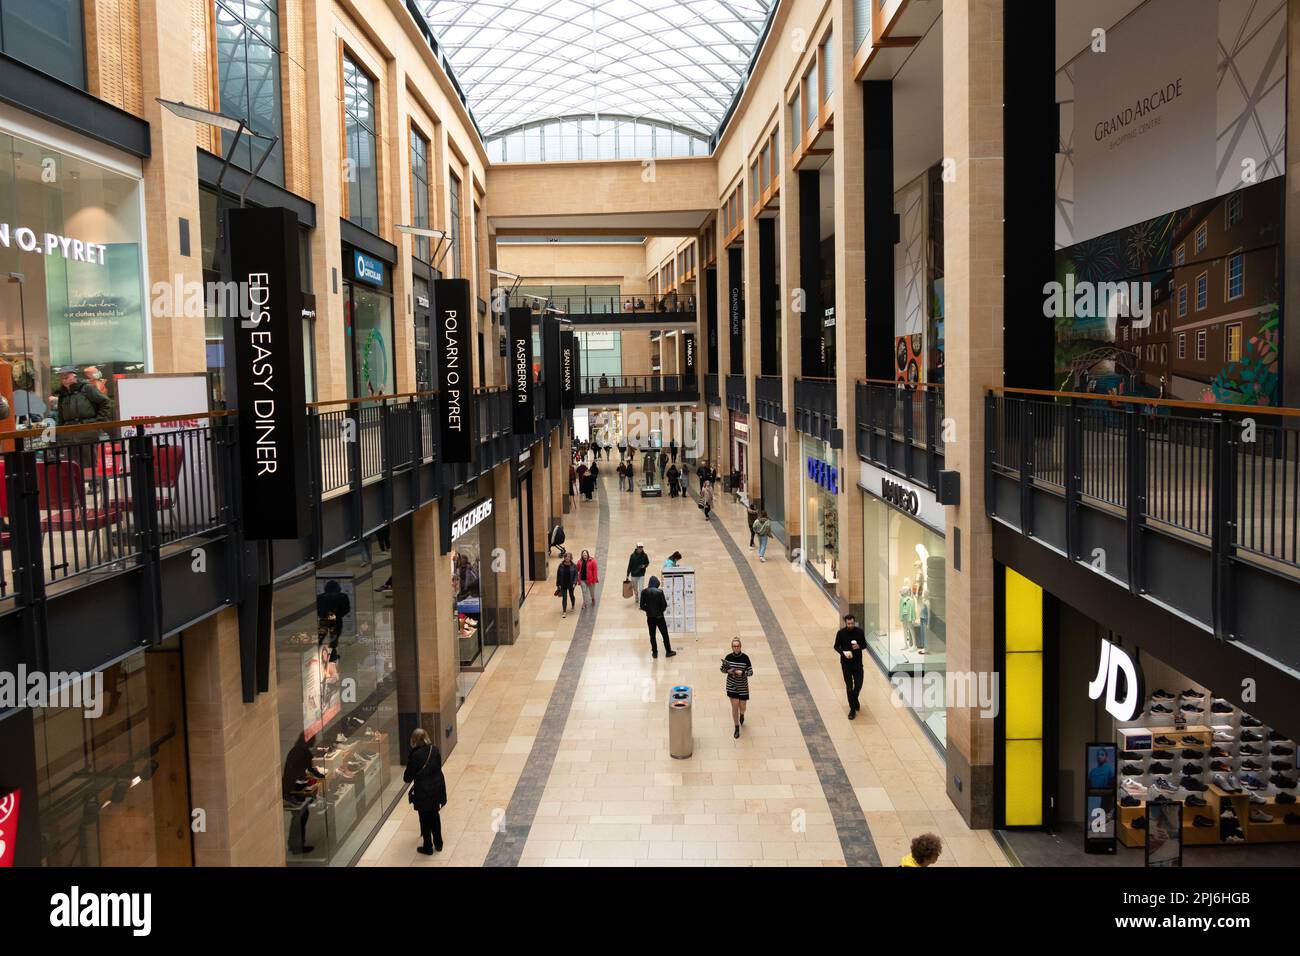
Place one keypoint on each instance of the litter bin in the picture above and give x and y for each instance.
(681, 741)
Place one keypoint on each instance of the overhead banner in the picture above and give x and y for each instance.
(271, 392)
(551, 378)
(455, 370)
(736, 309)
(688, 347)
(520, 351)
(568, 370)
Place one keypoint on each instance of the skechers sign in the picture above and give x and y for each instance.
(467, 520)
(1119, 680)
(824, 475)
(900, 496)
(269, 373)
(521, 371)
(367, 269)
(455, 378)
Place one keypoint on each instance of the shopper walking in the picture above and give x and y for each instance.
(588, 577)
(655, 605)
(672, 475)
(762, 529)
(672, 450)
(663, 462)
(428, 793)
(566, 579)
(684, 478)
(739, 669)
(622, 475)
(849, 642)
(751, 516)
(636, 565)
(706, 499)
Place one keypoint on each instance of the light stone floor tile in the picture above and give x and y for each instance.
(615, 796)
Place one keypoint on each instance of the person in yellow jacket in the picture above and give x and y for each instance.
(925, 850)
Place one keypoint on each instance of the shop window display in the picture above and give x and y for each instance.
(335, 645)
(905, 600)
(72, 230)
(473, 582)
(820, 480)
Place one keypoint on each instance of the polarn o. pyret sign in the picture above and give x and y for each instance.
(455, 370)
(521, 371)
(270, 390)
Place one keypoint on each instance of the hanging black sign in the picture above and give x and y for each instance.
(270, 391)
(519, 349)
(455, 369)
(736, 309)
(688, 347)
(569, 369)
(551, 378)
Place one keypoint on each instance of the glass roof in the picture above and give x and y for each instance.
(677, 61)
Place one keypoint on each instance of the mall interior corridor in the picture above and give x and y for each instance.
(564, 741)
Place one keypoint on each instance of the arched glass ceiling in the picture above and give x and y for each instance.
(590, 137)
(675, 61)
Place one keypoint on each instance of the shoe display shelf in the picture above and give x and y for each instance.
(1135, 837)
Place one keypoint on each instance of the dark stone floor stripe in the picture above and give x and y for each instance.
(508, 844)
(850, 822)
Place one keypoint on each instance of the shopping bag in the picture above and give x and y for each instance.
(627, 588)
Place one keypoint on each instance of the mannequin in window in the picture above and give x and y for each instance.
(907, 613)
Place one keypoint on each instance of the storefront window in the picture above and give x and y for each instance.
(72, 230)
(905, 601)
(772, 476)
(820, 481)
(335, 646)
(368, 314)
(113, 789)
(473, 582)
(248, 64)
(46, 34)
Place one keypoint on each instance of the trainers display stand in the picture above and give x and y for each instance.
(681, 739)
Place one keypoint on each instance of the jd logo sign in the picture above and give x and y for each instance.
(1120, 680)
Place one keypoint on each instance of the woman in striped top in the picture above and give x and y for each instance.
(739, 670)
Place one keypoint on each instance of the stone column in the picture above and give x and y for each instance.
(972, 134)
(753, 342)
(721, 456)
(234, 749)
(439, 660)
(850, 311)
(791, 326)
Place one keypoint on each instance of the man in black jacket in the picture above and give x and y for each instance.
(849, 642)
(655, 604)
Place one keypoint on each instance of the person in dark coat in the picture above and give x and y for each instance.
(655, 605)
(332, 606)
(566, 579)
(673, 476)
(428, 792)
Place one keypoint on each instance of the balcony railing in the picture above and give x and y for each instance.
(630, 306)
(1197, 505)
(815, 411)
(737, 400)
(619, 388)
(900, 429)
(712, 394)
(769, 398)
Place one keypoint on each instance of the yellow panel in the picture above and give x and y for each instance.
(1024, 783)
(1024, 677)
(1024, 613)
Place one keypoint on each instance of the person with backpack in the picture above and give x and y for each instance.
(588, 577)
(566, 579)
(655, 604)
(79, 402)
(762, 529)
(637, 563)
(428, 793)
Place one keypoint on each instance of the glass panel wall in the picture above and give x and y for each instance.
(46, 34)
(362, 159)
(248, 78)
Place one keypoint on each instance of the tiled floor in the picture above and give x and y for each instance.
(614, 796)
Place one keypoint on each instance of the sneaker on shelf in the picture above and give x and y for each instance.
(1160, 783)
(1253, 782)
(1282, 782)
(1249, 721)
(1281, 766)
(1194, 801)
(1130, 769)
(1193, 694)
(1280, 751)
(1258, 798)
(1226, 782)
(1218, 766)
(1274, 735)
(1131, 755)
(1251, 737)
(1223, 737)
(1284, 797)
(1227, 813)
(1193, 754)
(1161, 709)
(1191, 783)
(1191, 769)
(1139, 823)
(1135, 788)
(1161, 694)
(1250, 751)
(1220, 752)
(1220, 707)
(1191, 709)
(1251, 765)
(1191, 741)
(1127, 801)
(1163, 741)
(1158, 768)
(1202, 821)
(1236, 836)
(1162, 755)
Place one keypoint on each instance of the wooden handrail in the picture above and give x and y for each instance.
(370, 398)
(898, 384)
(1161, 402)
(108, 426)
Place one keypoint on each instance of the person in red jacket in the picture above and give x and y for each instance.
(588, 577)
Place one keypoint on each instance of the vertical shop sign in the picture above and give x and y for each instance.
(521, 370)
(455, 370)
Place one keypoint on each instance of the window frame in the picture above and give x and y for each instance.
(1240, 257)
(1202, 345)
(346, 56)
(1228, 331)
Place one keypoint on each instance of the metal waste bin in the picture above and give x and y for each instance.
(681, 740)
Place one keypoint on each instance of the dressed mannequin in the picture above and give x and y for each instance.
(907, 612)
(922, 616)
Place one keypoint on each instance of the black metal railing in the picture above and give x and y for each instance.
(769, 398)
(615, 386)
(712, 392)
(900, 429)
(737, 398)
(815, 411)
(1224, 480)
(632, 306)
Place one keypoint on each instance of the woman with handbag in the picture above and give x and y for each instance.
(566, 579)
(588, 577)
(428, 793)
